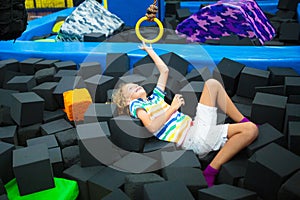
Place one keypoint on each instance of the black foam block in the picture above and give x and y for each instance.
(9, 134)
(287, 4)
(225, 191)
(153, 144)
(8, 65)
(242, 100)
(21, 83)
(53, 115)
(294, 99)
(2, 188)
(45, 75)
(294, 137)
(9, 75)
(87, 158)
(270, 166)
(64, 72)
(277, 74)
(104, 182)
(6, 170)
(67, 83)
(122, 36)
(28, 66)
(150, 84)
(212, 41)
(292, 113)
(191, 94)
(134, 184)
(135, 163)
(229, 40)
(132, 78)
(171, 7)
(275, 24)
(174, 39)
(45, 64)
(28, 108)
(97, 86)
(284, 16)
(166, 190)
(191, 177)
(179, 158)
(98, 112)
(70, 155)
(267, 134)
(66, 138)
(251, 78)
(45, 90)
(55, 126)
(176, 62)
(116, 194)
(246, 41)
(109, 93)
(292, 85)
(232, 171)
(144, 67)
(94, 146)
(277, 89)
(170, 23)
(131, 37)
(66, 65)
(105, 128)
(89, 69)
(6, 97)
(5, 118)
(289, 32)
(290, 189)
(117, 64)
(56, 161)
(81, 176)
(32, 169)
(244, 109)
(173, 85)
(154, 148)
(49, 140)
(11, 64)
(269, 108)
(128, 133)
(182, 14)
(228, 71)
(28, 132)
(201, 74)
(94, 37)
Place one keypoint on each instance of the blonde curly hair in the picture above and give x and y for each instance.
(120, 100)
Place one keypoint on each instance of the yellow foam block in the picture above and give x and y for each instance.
(76, 102)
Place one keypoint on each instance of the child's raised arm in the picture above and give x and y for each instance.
(161, 66)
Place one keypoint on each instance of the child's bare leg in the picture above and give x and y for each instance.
(239, 136)
(213, 93)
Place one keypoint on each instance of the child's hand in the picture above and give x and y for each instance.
(178, 101)
(145, 47)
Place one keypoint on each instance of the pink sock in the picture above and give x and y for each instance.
(210, 175)
(245, 119)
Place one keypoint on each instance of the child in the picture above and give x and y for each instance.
(201, 135)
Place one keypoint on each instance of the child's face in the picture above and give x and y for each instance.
(133, 91)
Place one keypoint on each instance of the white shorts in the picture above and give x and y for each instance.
(205, 135)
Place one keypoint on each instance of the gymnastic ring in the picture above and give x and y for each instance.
(138, 33)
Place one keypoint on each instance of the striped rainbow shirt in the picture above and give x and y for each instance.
(175, 129)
